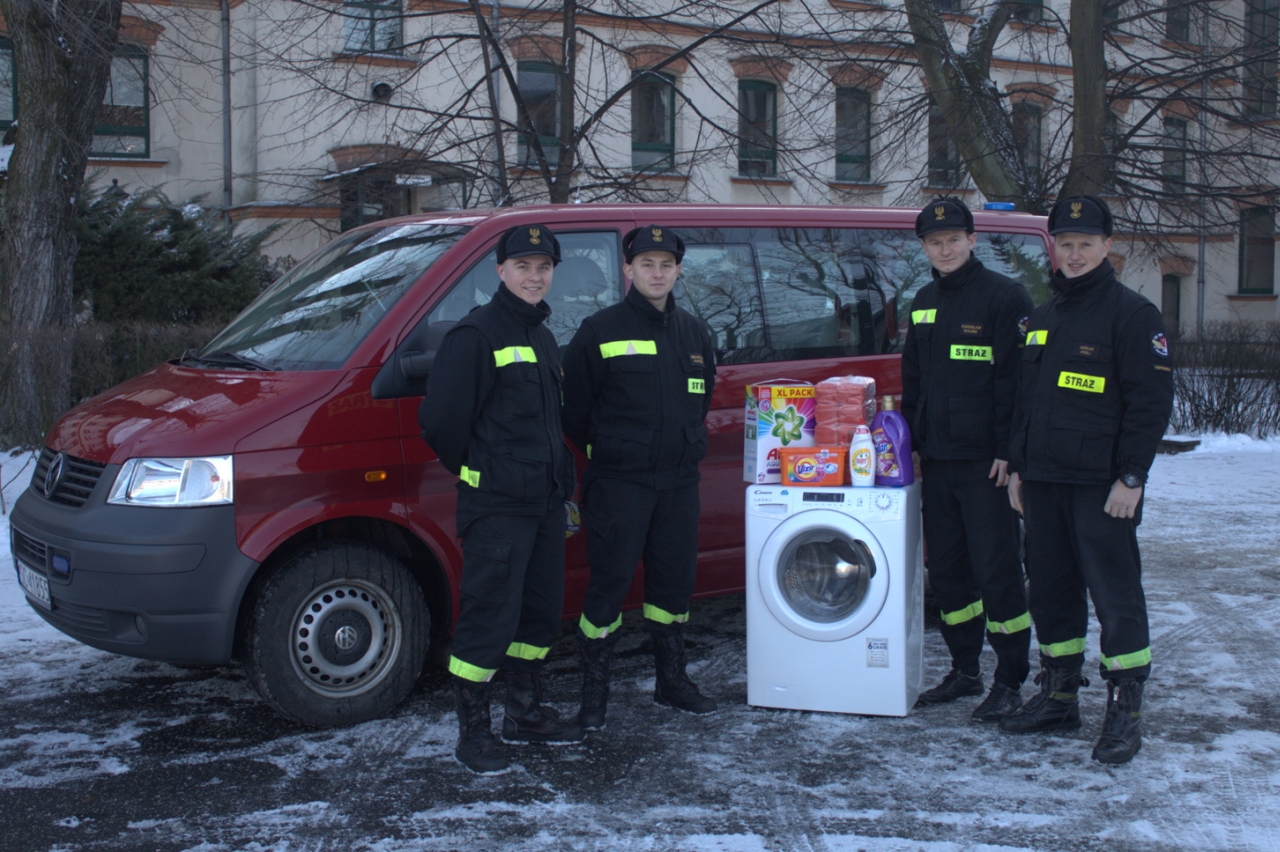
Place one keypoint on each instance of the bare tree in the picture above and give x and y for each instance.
(62, 53)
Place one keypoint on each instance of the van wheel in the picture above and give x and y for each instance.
(337, 635)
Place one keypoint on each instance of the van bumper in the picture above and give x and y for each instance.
(160, 584)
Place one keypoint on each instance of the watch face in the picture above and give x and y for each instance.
(1131, 480)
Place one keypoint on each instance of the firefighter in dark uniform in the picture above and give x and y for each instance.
(1094, 400)
(959, 376)
(638, 383)
(492, 415)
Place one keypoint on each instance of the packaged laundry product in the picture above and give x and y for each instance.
(813, 465)
(892, 441)
(842, 403)
(780, 414)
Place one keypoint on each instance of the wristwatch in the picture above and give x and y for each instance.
(1133, 480)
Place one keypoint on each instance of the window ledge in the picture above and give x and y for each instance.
(857, 6)
(756, 180)
(671, 176)
(381, 60)
(1032, 26)
(856, 186)
(1252, 297)
(947, 190)
(1260, 120)
(136, 162)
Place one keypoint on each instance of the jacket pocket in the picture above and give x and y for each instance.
(485, 567)
(971, 421)
(520, 473)
(622, 446)
(695, 446)
(1082, 446)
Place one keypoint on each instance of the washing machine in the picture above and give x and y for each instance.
(835, 599)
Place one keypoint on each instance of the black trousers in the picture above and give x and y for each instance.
(626, 522)
(512, 593)
(974, 569)
(1074, 547)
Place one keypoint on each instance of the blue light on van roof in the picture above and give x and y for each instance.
(999, 205)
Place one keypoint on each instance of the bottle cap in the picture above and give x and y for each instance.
(887, 404)
(861, 430)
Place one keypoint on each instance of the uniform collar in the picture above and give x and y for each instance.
(1072, 290)
(959, 278)
(522, 310)
(646, 309)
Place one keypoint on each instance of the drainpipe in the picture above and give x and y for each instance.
(1204, 146)
(226, 110)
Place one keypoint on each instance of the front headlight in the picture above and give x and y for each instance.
(173, 482)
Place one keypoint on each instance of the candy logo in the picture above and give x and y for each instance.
(535, 236)
(1075, 209)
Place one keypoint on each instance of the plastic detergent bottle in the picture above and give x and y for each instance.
(892, 440)
(862, 458)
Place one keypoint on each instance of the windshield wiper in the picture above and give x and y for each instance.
(230, 359)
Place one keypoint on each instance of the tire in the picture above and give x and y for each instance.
(337, 635)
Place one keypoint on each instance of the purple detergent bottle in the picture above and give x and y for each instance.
(892, 440)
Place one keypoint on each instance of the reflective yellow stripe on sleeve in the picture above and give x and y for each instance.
(919, 317)
(469, 476)
(514, 355)
(628, 347)
(1038, 337)
(1081, 382)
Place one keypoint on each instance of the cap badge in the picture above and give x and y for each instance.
(535, 236)
(939, 213)
(1075, 209)
(657, 235)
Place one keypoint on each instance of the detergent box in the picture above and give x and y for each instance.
(780, 414)
(814, 465)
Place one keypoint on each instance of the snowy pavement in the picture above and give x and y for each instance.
(106, 752)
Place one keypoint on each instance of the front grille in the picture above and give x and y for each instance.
(30, 551)
(79, 476)
(75, 618)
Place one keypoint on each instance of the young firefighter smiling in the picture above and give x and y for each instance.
(1094, 400)
(638, 383)
(492, 415)
(959, 374)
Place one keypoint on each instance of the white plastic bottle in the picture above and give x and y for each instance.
(862, 458)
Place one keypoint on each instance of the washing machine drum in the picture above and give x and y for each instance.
(824, 575)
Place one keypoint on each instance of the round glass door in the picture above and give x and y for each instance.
(824, 574)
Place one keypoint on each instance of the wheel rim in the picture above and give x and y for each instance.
(345, 638)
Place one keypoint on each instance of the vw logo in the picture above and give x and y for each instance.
(53, 475)
(345, 637)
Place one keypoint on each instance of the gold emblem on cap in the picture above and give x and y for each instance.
(535, 236)
(1075, 209)
(657, 235)
(939, 213)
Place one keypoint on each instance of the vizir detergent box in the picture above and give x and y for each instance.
(780, 413)
(814, 465)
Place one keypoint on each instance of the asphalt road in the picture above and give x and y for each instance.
(99, 752)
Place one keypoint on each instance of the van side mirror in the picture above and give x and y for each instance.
(405, 373)
(416, 365)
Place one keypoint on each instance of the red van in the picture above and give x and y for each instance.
(252, 499)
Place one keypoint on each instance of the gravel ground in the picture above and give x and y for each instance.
(105, 752)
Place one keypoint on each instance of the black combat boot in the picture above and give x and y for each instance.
(1000, 702)
(596, 654)
(1056, 707)
(478, 749)
(527, 719)
(1122, 728)
(955, 685)
(672, 687)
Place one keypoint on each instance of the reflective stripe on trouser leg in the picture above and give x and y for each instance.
(1013, 625)
(466, 671)
(592, 632)
(661, 616)
(960, 616)
(512, 590)
(671, 556)
(1058, 603)
(615, 518)
(1122, 662)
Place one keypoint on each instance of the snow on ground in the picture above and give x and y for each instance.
(105, 752)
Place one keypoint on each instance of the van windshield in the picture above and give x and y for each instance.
(314, 317)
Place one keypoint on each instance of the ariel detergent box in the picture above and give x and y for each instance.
(780, 413)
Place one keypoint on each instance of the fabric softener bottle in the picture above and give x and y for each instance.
(892, 441)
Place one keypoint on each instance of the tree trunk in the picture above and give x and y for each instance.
(562, 186)
(1090, 159)
(62, 54)
(970, 103)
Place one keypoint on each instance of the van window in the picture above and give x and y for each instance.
(588, 278)
(314, 317)
(781, 294)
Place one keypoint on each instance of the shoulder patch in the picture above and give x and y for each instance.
(1160, 344)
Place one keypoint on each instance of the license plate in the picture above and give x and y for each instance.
(35, 585)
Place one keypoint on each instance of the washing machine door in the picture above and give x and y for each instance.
(823, 575)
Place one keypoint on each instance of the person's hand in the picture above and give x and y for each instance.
(1122, 502)
(1015, 492)
(999, 472)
